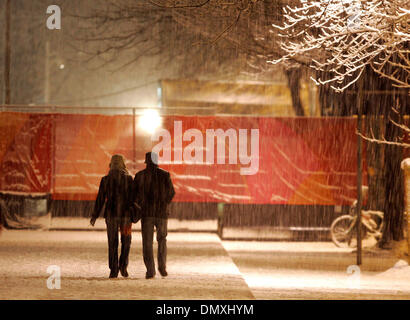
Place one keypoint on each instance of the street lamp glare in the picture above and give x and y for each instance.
(149, 121)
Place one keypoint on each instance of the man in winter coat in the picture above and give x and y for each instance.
(153, 191)
(115, 193)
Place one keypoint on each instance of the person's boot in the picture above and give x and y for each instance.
(124, 272)
(113, 274)
(163, 272)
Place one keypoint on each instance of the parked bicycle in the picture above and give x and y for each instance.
(344, 228)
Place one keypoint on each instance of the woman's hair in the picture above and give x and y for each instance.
(117, 163)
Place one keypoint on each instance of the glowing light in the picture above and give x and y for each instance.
(149, 121)
(62, 66)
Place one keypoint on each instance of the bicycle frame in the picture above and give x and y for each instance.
(366, 218)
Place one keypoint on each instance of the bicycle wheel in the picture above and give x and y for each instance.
(342, 231)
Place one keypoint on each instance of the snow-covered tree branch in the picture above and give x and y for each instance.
(344, 40)
(342, 37)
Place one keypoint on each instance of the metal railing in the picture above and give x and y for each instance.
(108, 110)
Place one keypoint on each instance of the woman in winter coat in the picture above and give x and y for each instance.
(115, 193)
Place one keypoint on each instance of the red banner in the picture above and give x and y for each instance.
(261, 160)
(25, 152)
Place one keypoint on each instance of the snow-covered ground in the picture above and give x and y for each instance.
(318, 270)
(200, 267)
(67, 223)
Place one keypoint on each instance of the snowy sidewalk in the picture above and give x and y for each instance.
(198, 267)
(317, 270)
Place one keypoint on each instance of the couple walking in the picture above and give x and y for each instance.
(152, 191)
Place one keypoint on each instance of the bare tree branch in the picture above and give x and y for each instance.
(383, 141)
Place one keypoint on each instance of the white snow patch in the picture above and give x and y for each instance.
(401, 270)
(405, 164)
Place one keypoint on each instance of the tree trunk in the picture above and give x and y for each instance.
(375, 163)
(394, 190)
(293, 76)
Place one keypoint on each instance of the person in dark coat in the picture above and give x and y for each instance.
(115, 193)
(153, 191)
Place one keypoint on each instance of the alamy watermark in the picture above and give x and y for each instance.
(54, 280)
(354, 277)
(54, 19)
(231, 143)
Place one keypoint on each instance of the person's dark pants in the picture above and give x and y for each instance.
(113, 226)
(161, 225)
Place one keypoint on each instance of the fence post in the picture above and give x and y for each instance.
(359, 171)
(220, 220)
(405, 165)
(134, 154)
